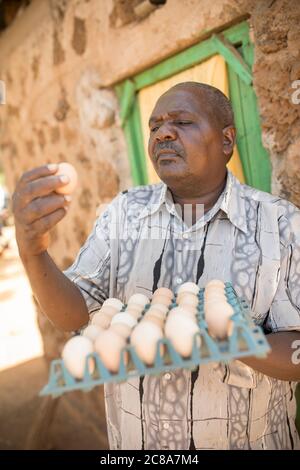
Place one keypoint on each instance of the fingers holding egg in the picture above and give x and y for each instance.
(68, 170)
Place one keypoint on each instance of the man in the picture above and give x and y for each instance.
(243, 235)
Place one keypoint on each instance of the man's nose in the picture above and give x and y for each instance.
(165, 132)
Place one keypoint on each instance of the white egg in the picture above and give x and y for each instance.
(101, 319)
(139, 299)
(217, 316)
(108, 346)
(144, 338)
(210, 289)
(224, 308)
(109, 310)
(189, 287)
(134, 312)
(160, 307)
(153, 319)
(187, 299)
(215, 283)
(67, 169)
(124, 318)
(121, 329)
(74, 355)
(164, 291)
(112, 302)
(214, 289)
(212, 295)
(186, 312)
(189, 310)
(180, 330)
(162, 300)
(156, 312)
(92, 331)
(137, 307)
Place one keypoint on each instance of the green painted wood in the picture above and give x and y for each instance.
(182, 61)
(135, 145)
(254, 157)
(238, 34)
(127, 100)
(240, 123)
(233, 58)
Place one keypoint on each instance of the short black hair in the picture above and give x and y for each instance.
(215, 98)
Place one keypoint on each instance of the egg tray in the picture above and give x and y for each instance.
(247, 339)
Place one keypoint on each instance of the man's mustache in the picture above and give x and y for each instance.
(168, 146)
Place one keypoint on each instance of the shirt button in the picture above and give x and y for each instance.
(185, 236)
(166, 425)
(167, 376)
(179, 280)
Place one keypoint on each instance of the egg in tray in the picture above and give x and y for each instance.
(193, 327)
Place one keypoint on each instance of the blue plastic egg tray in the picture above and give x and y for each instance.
(247, 339)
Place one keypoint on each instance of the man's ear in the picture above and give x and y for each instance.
(229, 134)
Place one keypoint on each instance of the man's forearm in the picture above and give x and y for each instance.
(58, 297)
(283, 361)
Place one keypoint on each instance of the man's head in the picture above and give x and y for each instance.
(191, 136)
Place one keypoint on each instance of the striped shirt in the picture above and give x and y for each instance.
(249, 238)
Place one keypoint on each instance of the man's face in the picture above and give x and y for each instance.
(186, 141)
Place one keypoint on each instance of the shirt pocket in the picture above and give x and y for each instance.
(92, 258)
(237, 374)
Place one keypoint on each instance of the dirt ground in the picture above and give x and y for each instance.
(27, 421)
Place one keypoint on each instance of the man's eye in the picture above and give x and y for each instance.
(153, 129)
(182, 123)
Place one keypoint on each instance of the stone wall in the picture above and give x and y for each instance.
(277, 66)
(60, 60)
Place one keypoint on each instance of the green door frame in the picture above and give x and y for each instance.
(235, 46)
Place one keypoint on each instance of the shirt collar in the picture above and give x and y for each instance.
(231, 202)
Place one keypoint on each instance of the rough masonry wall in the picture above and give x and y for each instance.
(277, 67)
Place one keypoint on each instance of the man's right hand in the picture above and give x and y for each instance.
(38, 208)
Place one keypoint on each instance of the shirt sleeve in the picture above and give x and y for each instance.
(91, 270)
(284, 314)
